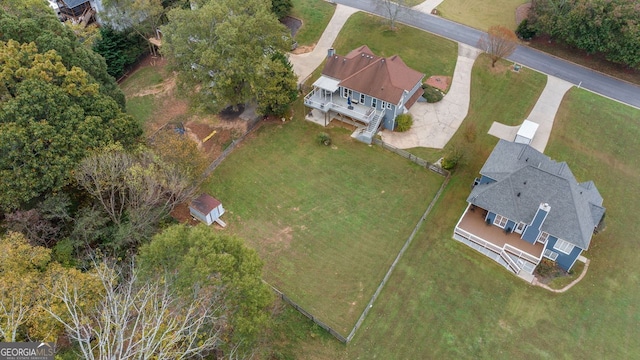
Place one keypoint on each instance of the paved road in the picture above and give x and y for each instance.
(604, 85)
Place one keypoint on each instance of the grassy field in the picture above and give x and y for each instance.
(461, 305)
(422, 51)
(328, 221)
(315, 16)
(481, 14)
(445, 300)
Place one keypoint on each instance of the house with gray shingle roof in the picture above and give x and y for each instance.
(365, 90)
(525, 207)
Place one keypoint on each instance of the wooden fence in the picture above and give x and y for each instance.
(407, 155)
(251, 125)
(304, 312)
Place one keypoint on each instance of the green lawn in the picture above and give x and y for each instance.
(141, 108)
(142, 79)
(328, 221)
(315, 16)
(445, 300)
(422, 51)
(481, 14)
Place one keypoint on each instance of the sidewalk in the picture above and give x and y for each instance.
(305, 64)
(435, 124)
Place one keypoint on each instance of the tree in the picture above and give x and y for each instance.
(33, 21)
(143, 17)
(610, 27)
(499, 42)
(275, 88)
(217, 55)
(25, 272)
(50, 116)
(281, 8)
(138, 320)
(198, 256)
(119, 48)
(134, 189)
(392, 10)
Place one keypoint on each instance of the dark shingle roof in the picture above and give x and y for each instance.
(525, 178)
(364, 72)
(205, 203)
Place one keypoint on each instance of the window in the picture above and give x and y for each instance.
(346, 92)
(550, 254)
(563, 246)
(389, 106)
(383, 105)
(543, 237)
(500, 221)
(520, 227)
(361, 98)
(374, 103)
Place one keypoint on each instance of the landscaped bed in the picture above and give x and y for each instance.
(327, 220)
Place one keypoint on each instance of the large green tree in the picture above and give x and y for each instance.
(199, 256)
(223, 51)
(50, 116)
(611, 27)
(33, 21)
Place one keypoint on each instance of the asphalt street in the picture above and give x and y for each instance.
(580, 76)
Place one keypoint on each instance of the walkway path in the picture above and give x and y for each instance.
(543, 113)
(427, 6)
(435, 124)
(584, 272)
(305, 64)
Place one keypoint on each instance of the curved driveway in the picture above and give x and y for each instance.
(588, 79)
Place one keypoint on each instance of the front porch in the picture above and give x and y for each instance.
(505, 248)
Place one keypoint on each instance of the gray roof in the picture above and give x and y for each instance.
(525, 178)
(73, 3)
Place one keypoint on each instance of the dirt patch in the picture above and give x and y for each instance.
(303, 49)
(522, 12)
(292, 23)
(440, 82)
(182, 214)
(499, 68)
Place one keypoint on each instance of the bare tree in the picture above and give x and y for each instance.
(13, 314)
(499, 42)
(138, 320)
(139, 188)
(392, 10)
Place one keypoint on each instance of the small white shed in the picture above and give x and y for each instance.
(526, 132)
(207, 209)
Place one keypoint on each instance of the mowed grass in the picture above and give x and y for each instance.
(446, 301)
(315, 16)
(429, 54)
(327, 221)
(481, 14)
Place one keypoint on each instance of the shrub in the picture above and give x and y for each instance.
(453, 158)
(431, 94)
(525, 31)
(404, 122)
(324, 139)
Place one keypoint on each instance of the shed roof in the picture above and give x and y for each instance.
(205, 203)
(525, 178)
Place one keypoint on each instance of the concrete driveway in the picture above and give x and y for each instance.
(305, 64)
(435, 124)
(543, 113)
